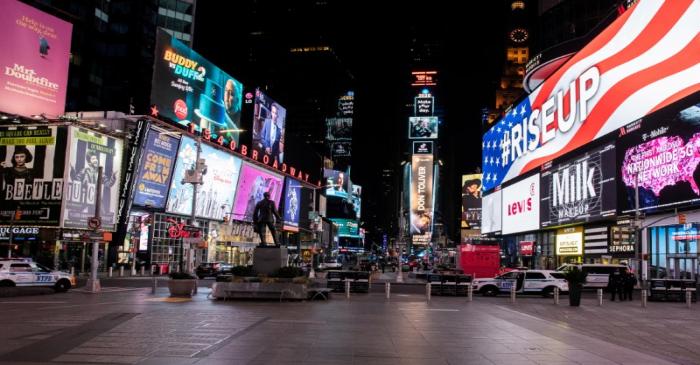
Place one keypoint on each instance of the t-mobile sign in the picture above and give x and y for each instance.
(521, 206)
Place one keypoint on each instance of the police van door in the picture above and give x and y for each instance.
(21, 274)
(535, 282)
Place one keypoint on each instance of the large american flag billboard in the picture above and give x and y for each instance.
(645, 60)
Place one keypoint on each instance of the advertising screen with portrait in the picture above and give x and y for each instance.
(156, 170)
(471, 201)
(187, 88)
(34, 61)
(269, 119)
(521, 206)
(252, 184)
(581, 189)
(215, 194)
(90, 150)
(660, 155)
(491, 212)
(292, 205)
(423, 127)
(32, 160)
(421, 219)
(337, 184)
(338, 129)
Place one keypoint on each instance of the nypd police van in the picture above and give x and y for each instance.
(22, 272)
(525, 282)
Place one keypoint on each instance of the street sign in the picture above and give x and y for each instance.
(94, 222)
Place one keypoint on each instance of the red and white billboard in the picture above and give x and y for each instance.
(34, 61)
(645, 60)
(521, 206)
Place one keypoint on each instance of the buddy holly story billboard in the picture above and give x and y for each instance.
(187, 88)
(34, 61)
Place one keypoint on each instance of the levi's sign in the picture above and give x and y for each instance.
(521, 206)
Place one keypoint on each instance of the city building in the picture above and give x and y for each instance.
(593, 179)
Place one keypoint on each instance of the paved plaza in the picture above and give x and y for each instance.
(133, 326)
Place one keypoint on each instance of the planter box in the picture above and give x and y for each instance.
(259, 290)
(181, 288)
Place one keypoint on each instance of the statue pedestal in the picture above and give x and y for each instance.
(267, 260)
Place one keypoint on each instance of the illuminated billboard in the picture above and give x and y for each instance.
(338, 129)
(422, 147)
(569, 241)
(156, 170)
(32, 160)
(491, 212)
(187, 88)
(253, 182)
(422, 196)
(269, 120)
(88, 151)
(424, 78)
(292, 205)
(660, 156)
(337, 184)
(581, 189)
(423, 127)
(645, 60)
(347, 227)
(34, 61)
(521, 206)
(471, 201)
(215, 194)
(357, 200)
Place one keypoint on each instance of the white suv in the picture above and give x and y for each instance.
(525, 281)
(21, 272)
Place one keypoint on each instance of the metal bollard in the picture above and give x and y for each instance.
(600, 297)
(196, 284)
(556, 296)
(644, 298)
(347, 289)
(387, 289)
(155, 284)
(110, 272)
(133, 271)
(153, 270)
(512, 293)
(688, 298)
(121, 271)
(470, 292)
(428, 286)
(143, 270)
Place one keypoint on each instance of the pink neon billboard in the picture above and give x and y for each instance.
(34, 61)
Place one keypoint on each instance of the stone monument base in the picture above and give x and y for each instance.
(267, 260)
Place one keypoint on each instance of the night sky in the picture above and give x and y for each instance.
(373, 42)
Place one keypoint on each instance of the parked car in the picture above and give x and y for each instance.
(598, 274)
(207, 269)
(525, 281)
(23, 272)
(330, 263)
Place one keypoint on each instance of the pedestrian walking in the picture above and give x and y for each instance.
(630, 281)
(615, 285)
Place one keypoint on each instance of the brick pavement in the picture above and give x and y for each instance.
(135, 327)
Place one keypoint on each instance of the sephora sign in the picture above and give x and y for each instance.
(579, 190)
